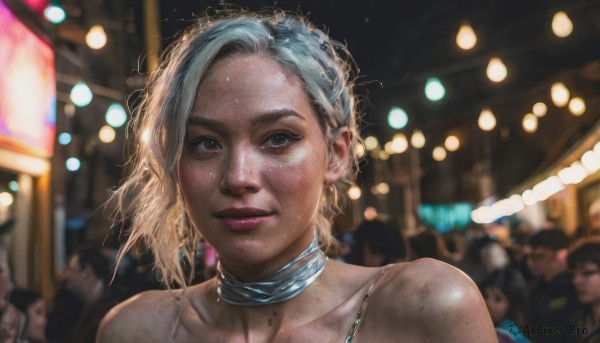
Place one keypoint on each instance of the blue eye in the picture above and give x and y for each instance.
(204, 144)
(281, 139)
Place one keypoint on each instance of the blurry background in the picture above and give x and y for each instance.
(474, 111)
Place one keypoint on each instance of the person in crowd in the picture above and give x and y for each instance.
(552, 301)
(504, 291)
(86, 277)
(12, 324)
(584, 263)
(251, 128)
(33, 305)
(494, 256)
(594, 219)
(378, 244)
(427, 243)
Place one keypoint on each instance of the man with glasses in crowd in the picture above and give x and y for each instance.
(584, 264)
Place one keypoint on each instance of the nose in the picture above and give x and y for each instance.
(241, 174)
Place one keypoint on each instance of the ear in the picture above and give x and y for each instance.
(338, 160)
(562, 254)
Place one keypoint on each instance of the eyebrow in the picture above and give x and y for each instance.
(265, 118)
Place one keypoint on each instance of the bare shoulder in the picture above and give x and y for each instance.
(434, 299)
(148, 317)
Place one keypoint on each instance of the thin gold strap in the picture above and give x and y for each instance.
(363, 308)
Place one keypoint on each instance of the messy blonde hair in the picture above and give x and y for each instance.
(150, 198)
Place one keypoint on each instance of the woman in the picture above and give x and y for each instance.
(504, 291)
(248, 132)
(33, 305)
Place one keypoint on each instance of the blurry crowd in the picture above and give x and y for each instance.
(539, 286)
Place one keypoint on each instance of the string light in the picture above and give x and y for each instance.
(496, 70)
(577, 106)
(466, 37)
(73, 164)
(115, 115)
(397, 118)
(434, 89)
(371, 143)
(96, 37)
(439, 153)
(55, 14)
(64, 138)
(562, 26)
(81, 94)
(354, 192)
(417, 139)
(399, 143)
(486, 121)
(530, 123)
(540, 109)
(452, 143)
(559, 94)
(107, 134)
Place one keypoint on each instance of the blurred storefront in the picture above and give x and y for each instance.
(27, 134)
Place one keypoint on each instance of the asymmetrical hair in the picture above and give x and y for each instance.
(150, 197)
(585, 250)
(554, 239)
(513, 285)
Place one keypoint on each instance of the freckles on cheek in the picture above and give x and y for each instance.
(296, 174)
(196, 181)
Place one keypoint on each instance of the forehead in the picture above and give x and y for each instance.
(586, 265)
(242, 85)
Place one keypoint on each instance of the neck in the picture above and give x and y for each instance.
(262, 270)
(283, 285)
(264, 323)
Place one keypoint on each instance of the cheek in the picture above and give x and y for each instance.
(194, 180)
(296, 174)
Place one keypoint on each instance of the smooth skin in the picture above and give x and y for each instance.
(254, 141)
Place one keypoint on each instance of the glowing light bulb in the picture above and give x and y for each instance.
(439, 153)
(577, 106)
(359, 150)
(115, 115)
(64, 138)
(434, 89)
(6, 199)
(107, 134)
(466, 37)
(354, 192)
(96, 37)
(452, 143)
(399, 143)
(496, 70)
(81, 94)
(540, 109)
(55, 14)
(371, 143)
(530, 123)
(562, 26)
(417, 139)
(560, 94)
(73, 164)
(397, 118)
(486, 121)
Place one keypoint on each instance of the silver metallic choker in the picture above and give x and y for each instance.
(284, 284)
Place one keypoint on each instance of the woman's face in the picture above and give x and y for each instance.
(497, 304)
(254, 164)
(36, 321)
